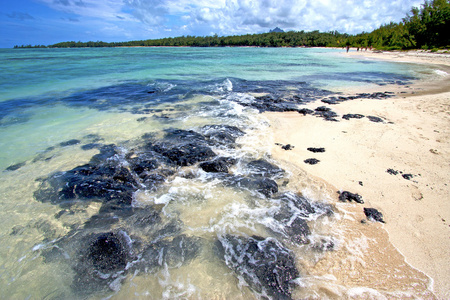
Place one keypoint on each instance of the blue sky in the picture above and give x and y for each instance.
(50, 21)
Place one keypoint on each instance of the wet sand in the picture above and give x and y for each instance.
(412, 142)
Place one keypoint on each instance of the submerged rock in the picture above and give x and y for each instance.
(266, 265)
(15, 166)
(102, 258)
(70, 143)
(265, 186)
(263, 168)
(171, 252)
(294, 227)
(294, 210)
(222, 134)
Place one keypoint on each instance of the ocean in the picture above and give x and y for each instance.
(146, 173)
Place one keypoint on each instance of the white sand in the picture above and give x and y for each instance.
(414, 138)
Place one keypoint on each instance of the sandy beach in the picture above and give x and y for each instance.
(412, 142)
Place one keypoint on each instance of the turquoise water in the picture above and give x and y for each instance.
(61, 107)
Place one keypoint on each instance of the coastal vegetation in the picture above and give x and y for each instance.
(427, 27)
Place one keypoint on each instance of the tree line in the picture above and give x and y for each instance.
(427, 27)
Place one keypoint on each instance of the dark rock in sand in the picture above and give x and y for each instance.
(287, 147)
(326, 113)
(347, 196)
(316, 150)
(373, 214)
(330, 101)
(352, 116)
(407, 176)
(16, 166)
(392, 171)
(262, 168)
(311, 161)
(266, 265)
(70, 143)
(375, 119)
(305, 111)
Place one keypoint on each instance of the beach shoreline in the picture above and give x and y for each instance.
(399, 166)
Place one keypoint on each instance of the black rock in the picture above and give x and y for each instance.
(104, 179)
(287, 147)
(392, 171)
(297, 204)
(316, 150)
(265, 186)
(262, 168)
(330, 101)
(294, 227)
(305, 111)
(266, 265)
(311, 161)
(323, 108)
(179, 136)
(222, 134)
(185, 155)
(218, 165)
(375, 119)
(352, 116)
(326, 113)
(373, 214)
(100, 260)
(107, 253)
(407, 176)
(101, 183)
(143, 163)
(347, 196)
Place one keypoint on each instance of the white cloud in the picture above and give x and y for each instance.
(201, 17)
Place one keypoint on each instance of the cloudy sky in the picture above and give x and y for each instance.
(51, 21)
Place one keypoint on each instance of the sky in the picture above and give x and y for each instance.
(45, 22)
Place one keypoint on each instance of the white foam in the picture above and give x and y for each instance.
(441, 73)
(365, 293)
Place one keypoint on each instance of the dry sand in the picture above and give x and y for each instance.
(413, 139)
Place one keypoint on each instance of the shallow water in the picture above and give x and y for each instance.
(104, 193)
